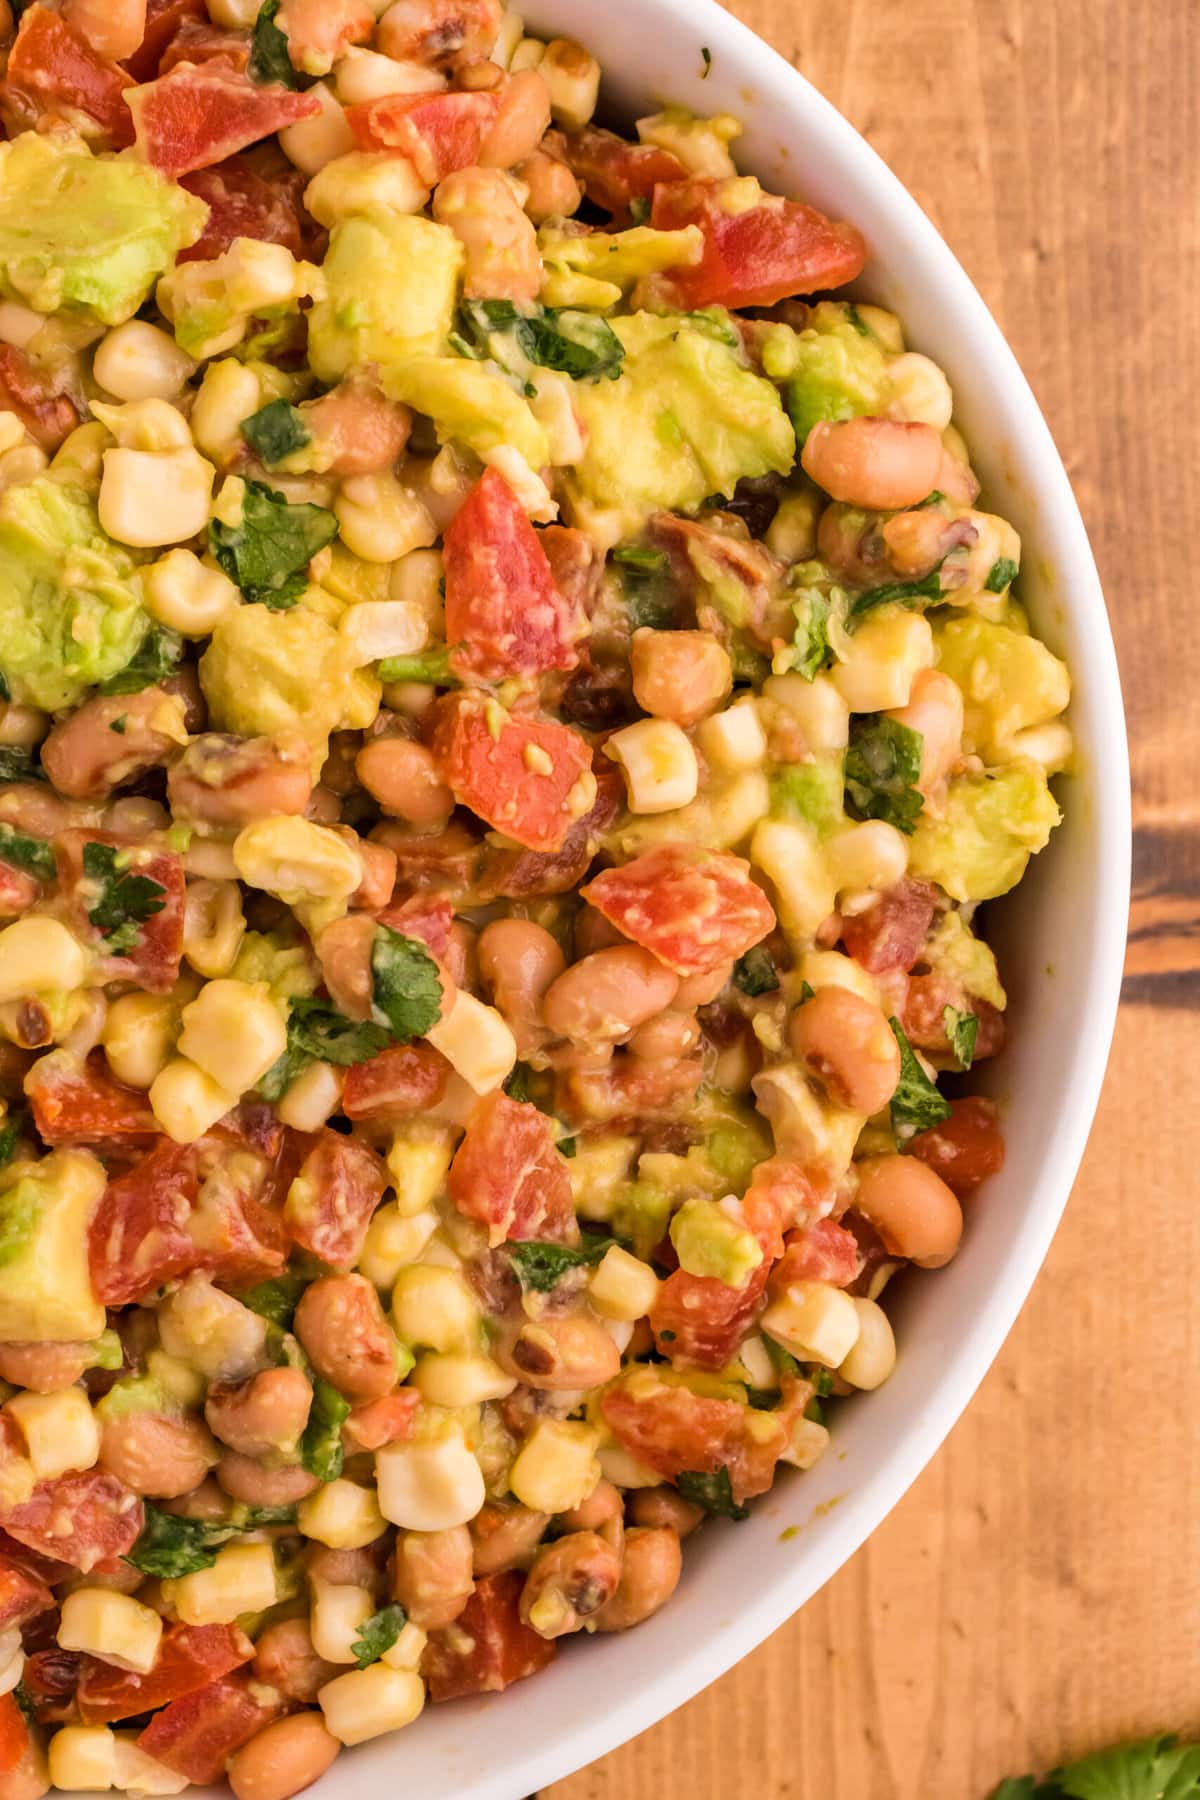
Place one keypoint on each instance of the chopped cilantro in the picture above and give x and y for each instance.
(268, 552)
(269, 58)
(883, 767)
(378, 1634)
(125, 900)
(24, 1700)
(275, 431)
(158, 656)
(810, 644)
(807, 990)
(407, 988)
(432, 666)
(783, 1360)
(1002, 574)
(961, 1029)
(909, 594)
(579, 344)
(118, 725)
(541, 1266)
(319, 1031)
(1158, 1768)
(706, 59)
(276, 1300)
(34, 855)
(822, 1382)
(713, 1492)
(916, 1103)
(170, 1546)
(19, 765)
(755, 973)
(10, 1136)
(855, 319)
(321, 1445)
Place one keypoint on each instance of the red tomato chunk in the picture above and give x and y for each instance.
(75, 1104)
(82, 1519)
(965, 1148)
(197, 1735)
(613, 172)
(673, 1430)
(329, 1207)
(194, 117)
(242, 204)
(756, 256)
(189, 1658)
(889, 934)
(693, 909)
(437, 132)
(55, 65)
(529, 778)
(822, 1251)
(508, 1174)
(488, 1647)
(397, 1082)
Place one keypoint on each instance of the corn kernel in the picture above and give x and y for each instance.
(361, 181)
(83, 1758)
(138, 1035)
(815, 1322)
(452, 1378)
(920, 391)
(187, 596)
(233, 1031)
(153, 497)
(417, 1163)
(556, 1467)
(734, 739)
(393, 1240)
(39, 956)
(341, 1514)
(228, 394)
(379, 628)
(805, 1125)
(313, 142)
(431, 1484)
(59, 1429)
(573, 76)
(434, 1307)
(296, 860)
(659, 765)
(138, 1774)
(139, 361)
(408, 1649)
(241, 1580)
(368, 75)
(313, 1097)
(337, 1618)
(870, 855)
(187, 1101)
(873, 1355)
(878, 665)
(380, 519)
(807, 1443)
(115, 1627)
(790, 857)
(623, 1286)
(476, 1042)
(368, 1702)
(822, 713)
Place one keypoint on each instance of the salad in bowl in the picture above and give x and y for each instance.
(511, 707)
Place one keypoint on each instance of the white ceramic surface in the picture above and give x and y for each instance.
(1061, 937)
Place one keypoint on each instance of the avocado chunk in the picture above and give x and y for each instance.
(268, 672)
(711, 1241)
(90, 233)
(469, 403)
(45, 1286)
(391, 284)
(814, 791)
(954, 951)
(1009, 681)
(71, 608)
(685, 420)
(991, 824)
(133, 1394)
(833, 369)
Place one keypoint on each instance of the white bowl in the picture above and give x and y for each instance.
(1061, 938)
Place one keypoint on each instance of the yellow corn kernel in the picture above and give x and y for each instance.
(296, 860)
(807, 1443)
(822, 713)
(815, 1322)
(528, 54)
(701, 145)
(556, 1467)
(408, 1649)
(873, 1355)
(455, 1379)
(341, 1514)
(368, 1702)
(476, 1042)
(39, 956)
(209, 1330)
(153, 497)
(789, 856)
(363, 181)
(186, 1101)
(573, 76)
(597, 1170)
(920, 391)
(393, 1239)
(805, 1125)
(659, 765)
(214, 925)
(430, 1484)
(313, 142)
(138, 1036)
(313, 1097)
(12, 432)
(868, 856)
(380, 519)
(228, 394)
(83, 1758)
(187, 596)
(337, 1618)
(369, 75)
(829, 968)
(876, 667)
(139, 361)
(59, 1429)
(623, 1286)
(233, 1031)
(734, 739)
(417, 1163)
(433, 1307)
(115, 1627)
(241, 1580)
(149, 425)
(379, 628)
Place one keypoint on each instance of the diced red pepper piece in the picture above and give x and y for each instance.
(965, 1148)
(673, 1430)
(37, 398)
(427, 917)
(694, 909)
(489, 1646)
(15, 1739)
(163, 19)
(614, 172)
(752, 256)
(198, 42)
(508, 1174)
(54, 63)
(522, 874)
(889, 933)
(437, 132)
(190, 1657)
(138, 1237)
(822, 1251)
(84, 1105)
(237, 1238)
(242, 204)
(405, 1079)
(374, 1423)
(22, 1595)
(529, 778)
(330, 1203)
(504, 614)
(198, 1734)
(82, 1518)
(194, 117)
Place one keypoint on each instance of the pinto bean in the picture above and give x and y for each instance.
(156, 1455)
(244, 1479)
(650, 1574)
(45, 1367)
(609, 994)
(285, 1659)
(680, 675)
(112, 739)
(263, 1416)
(911, 1208)
(433, 1575)
(569, 1582)
(846, 1044)
(340, 1323)
(520, 123)
(551, 191)
(482, 209)
(284, 1758)
(404, 778)
(505, 1537)
(355, 430)
(659, 1506)
(222, 781)
(439, 34)
(344, 952)
(883, 465)
(665, 1039)
(518, 961)
(570, 1351)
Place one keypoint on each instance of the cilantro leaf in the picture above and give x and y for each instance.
(783, 1362)
(157, 656)
(170, 1546)
(269, 551)
(916, 1102)
(755, 973)
(321, 1445)
(276, 1300)
(646, 585)
(807, 990)
(125, 901)
(713, 1492)
(269, 58)
(577, 344)
(34, 855)
(541, 1266)
(883, 767)
(321, 1032)
(19, 765)
(431, 665)
(1156, 1769)
(377, 1634)
(10, 1136)
(961, 1029)
(810, 644)
(908, 594)
(1017, 1787)
(275, 430)
(1002, 574)
(407, 988)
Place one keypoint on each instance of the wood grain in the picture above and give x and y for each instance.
(1037, 1593)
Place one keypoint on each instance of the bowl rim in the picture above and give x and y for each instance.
(672, 1685)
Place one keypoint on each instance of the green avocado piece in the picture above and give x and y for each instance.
(45, 1286)
(830, 370)
(287, 968)
(71, 609)
(470, 403)
(133, 1394)
(391, 286)
(992, 823)
(1009, 681)
(685, 420)
(267, 672)
(709, 1241)
(954, 951)
(92, 233)
(814, 791)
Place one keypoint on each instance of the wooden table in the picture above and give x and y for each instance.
(1038, 1591)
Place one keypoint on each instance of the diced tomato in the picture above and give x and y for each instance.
(374, 1423)
(14, 1734)
(54, 63)
(163, 19)
(672, 1430)
(629, 1088)
(923, 1017)
(329, 1207)
(613, 172)
(489, 1646)
(18, 891)
(756, 255)
(522, 874)
(22, 1596)
(889, 934)
(74, 1104)
(241, 204)
(37, 397)
(437, 132)
(699, 1322)
(138, 1237)
(81, 1519)
(504, 614)
(235, 1237)
(198, 1734)
(524, 776)
(194, 117)
(783, 1193)
(153, 961)
(427, 917)
(822, 1251)
(197, 42)
(49, 1679)
(254, 1124)
(692, 908)
(508, 1174)
(43, 1568)
(965, 1148)
(190, 1657)
(405, 1079)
